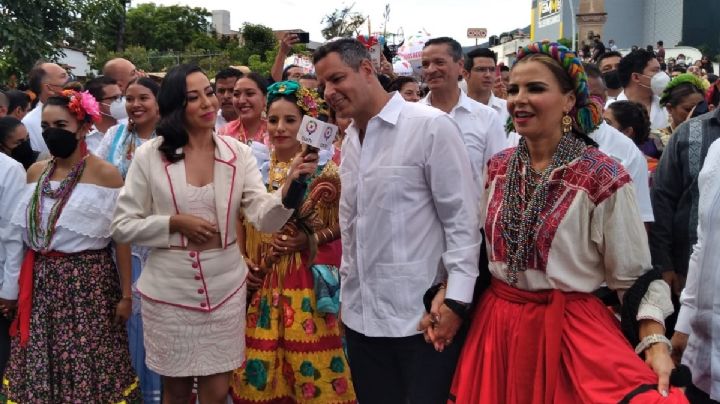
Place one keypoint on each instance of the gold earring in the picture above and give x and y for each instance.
(566, 124)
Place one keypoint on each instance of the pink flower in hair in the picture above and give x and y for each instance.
(90, 105)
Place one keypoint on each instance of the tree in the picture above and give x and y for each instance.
(343, 22)
(30, 30)
(165, 28)
(258, 40)
(97, 22)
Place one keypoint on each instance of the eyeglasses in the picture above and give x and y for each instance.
(112, 98)
(484, 69)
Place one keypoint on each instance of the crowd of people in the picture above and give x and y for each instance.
(482, 233)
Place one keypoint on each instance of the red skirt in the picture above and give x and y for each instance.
(549, 347)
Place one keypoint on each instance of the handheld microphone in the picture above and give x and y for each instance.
(315, 135)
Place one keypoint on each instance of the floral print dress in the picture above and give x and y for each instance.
(294, 350)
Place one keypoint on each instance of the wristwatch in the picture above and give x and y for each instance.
(459, 308)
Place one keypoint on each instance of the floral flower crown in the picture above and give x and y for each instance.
(83, 105)
(308, 100)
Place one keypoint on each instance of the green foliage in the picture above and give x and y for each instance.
(258, 39)
(96, 22)
(343, 22)
(29, 29)
(565, 42)
(165, 27)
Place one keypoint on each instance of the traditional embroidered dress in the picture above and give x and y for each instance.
(258, 142)
(545, 338)
(118, 148)
(293, 339)
(74, 351)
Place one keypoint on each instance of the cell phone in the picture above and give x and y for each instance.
(700, 108)
(303, 37)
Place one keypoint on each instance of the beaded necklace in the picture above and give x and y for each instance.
(39, 238)
(525, 198)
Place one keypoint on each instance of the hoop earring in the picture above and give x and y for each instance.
(566, 124)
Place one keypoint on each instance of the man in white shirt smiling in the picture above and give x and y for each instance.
(409, 219)
(482, 132)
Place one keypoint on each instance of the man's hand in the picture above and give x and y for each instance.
(287, 42)
(679, 343)
(441, 324)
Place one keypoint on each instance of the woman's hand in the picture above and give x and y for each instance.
(657, 356)
(123, 310)
(284, 244)
(303, 165)
(194, 228)
(287, 42)
(256, 275)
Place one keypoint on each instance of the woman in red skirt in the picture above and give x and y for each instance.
(561, 220)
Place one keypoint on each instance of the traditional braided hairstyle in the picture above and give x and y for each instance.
(587, 114)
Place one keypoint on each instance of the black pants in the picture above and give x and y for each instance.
(4, 343)
(697, 396)
(401, 370)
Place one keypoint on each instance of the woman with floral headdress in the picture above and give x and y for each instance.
(561, 219)
(69, 342)
(294, 346)
(681, 96)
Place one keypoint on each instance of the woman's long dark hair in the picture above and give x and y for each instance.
(172, 100)
(7, 126)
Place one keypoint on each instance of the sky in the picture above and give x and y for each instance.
(437, 17)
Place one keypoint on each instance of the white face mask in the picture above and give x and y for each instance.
(658, 82)
(117, 109)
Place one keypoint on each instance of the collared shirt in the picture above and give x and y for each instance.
(622, 149)
(93, 139)
(12, 184)
(408, 218)
(500, 106)
(659, 118)
(481, 130)
(32, 124)
(675, 192)
(698, 316)
(220, 121)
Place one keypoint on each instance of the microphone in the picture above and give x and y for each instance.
(315, 135)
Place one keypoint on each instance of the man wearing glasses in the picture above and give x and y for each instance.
(46, 80)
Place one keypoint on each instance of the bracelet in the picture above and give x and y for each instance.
(650, 340)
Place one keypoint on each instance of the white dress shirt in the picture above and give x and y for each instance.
(32, 124)
(621, 148)
(500, 106)
(659, 118)
(699, 315)
(481, 130)
(220, 121)
(408, 218)
(12, 183)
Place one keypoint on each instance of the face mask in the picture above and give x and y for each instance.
(61, 143)
(117, 109)
(658, 82)
(24, 154)
(612, 80)
(680, 61)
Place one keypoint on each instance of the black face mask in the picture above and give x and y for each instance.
(61, 143)
(24, 154)
(612, 80)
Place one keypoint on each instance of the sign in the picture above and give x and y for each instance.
(477, 33)
(316, 133)
(550, 12)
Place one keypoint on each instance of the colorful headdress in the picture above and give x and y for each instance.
(587, 114)
(689, 78)
(308, 100)
(83, 105)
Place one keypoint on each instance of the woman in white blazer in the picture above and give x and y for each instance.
(182, 196)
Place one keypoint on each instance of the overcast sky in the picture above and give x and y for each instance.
(437, 17)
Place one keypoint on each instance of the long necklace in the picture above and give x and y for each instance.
(525, 198)
(278, 172)
(39, 238)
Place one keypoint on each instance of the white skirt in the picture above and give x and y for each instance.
(181, 342)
